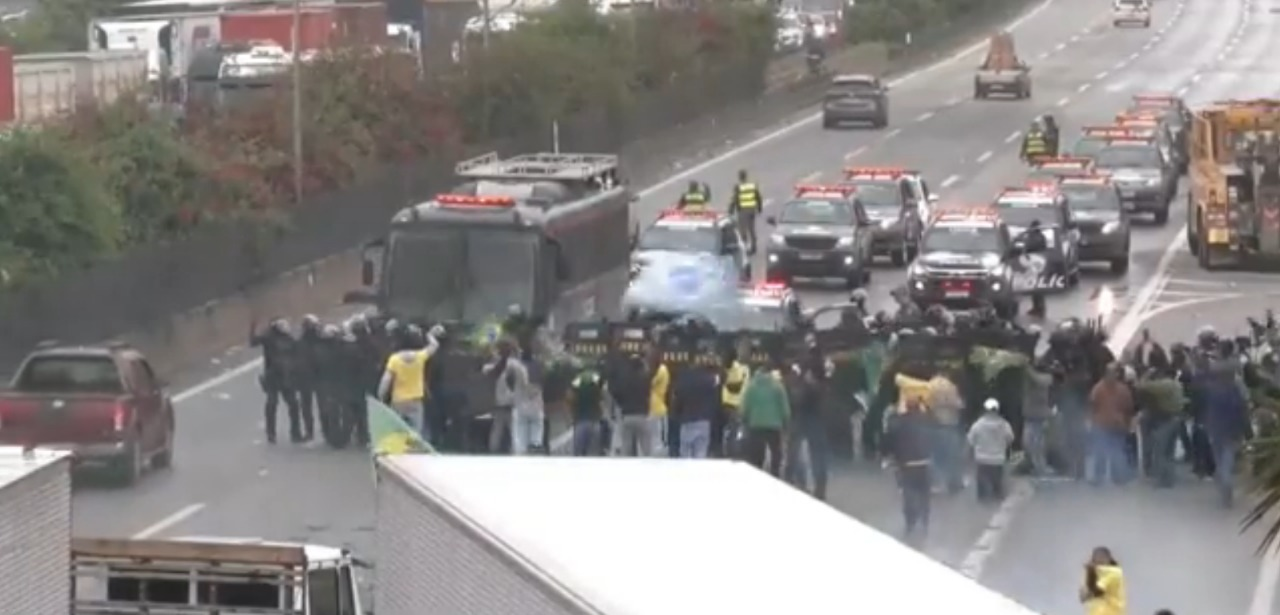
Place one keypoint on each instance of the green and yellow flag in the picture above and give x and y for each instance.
(391, 435)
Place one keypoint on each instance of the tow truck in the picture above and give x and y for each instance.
(897, 199)
(1099, 215)
(1233, 209)
(965, 261)
(1142, 168)
(822, 231)
(1058, 267)
(1055, 167)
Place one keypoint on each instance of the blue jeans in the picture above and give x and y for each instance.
(808, 430)
(948, 457)
(586, 438)
(1224, 458)
(1162, 445)
(1108, 454)
(695, 439)
(1035, 446)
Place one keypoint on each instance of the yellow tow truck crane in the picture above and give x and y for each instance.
(1233, 209)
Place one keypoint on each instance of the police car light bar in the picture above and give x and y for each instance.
(680, 214)
(973, 212)
(876, 172)
(770, 289)
(1142, 122)
(1112, 132)
(1086, 180)
(463, 200)
(840, 189)
(1063, 162)
(1042, 186)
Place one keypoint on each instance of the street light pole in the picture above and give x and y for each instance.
(297, 102)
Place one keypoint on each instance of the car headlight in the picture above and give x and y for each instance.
(777, 240)
(915, 269)
(845, 242)
(886, 224)
(1110, 227)
(996, 286)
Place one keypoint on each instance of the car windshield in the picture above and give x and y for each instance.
(1021, 212)
(846, 88)
(1088, 147)
(1092, 198)
(961, 238)
(827, 211)
(1128, 157)
(71, 375)
(481, 273)
(680, 238)
(879, 194)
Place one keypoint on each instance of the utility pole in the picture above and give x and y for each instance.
(488, 24)
(297, 102)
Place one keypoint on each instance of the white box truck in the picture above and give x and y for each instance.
(612, 536)
(35, 531)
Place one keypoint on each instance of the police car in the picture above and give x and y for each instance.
(770, 306)
(965, 261)
(823, 231)
(679, 232)
(897, 201)
(1058, 266)
(1057, 167)
(1100, 218)
(1151, 123)
(1141, 165)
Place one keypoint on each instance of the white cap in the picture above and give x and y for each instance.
(991, 405)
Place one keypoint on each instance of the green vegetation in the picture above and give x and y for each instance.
(121, 176)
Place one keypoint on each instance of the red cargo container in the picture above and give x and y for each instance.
(8, 108)
(315, 30)
(361, 25)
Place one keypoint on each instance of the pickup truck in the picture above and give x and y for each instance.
(1002, 72)
(103, 404)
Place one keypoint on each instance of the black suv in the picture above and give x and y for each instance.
(1144, 172)
(822, 232)
(856, 98)
(964, 262)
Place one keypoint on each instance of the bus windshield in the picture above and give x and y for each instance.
(466, 274)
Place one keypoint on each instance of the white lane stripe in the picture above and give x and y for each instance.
(855, 153)
(984, 157)
(892, 133)
(178, 517)
(946, 183)
(924, 116)
(1013, 136)
(1062, 102)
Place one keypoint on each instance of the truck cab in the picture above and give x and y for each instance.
(226, 576)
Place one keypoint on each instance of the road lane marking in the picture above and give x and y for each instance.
(989, 541)
(892, 133)
(1133, 316)
(924, 116)
(946, 183)
(1013, 136)
(1060, 47)
(178, 517)
(813, 118)
(1062, 102)
(1102, 75)
(984, 157)
(855, 153)
(1084, 87)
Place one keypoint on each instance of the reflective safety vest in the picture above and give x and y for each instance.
(747, 192)
(407, 376)
(735, 378)
(1035, 145)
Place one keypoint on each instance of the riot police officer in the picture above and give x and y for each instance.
(1034, 242)
(309, 351)
(279, 373)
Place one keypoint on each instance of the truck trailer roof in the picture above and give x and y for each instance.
(17, 463)
(586, 529)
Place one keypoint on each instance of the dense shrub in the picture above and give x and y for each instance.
(890, 21)
(115, 177)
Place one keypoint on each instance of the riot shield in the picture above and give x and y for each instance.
(588, 340)
(758, 348)
(631, 338)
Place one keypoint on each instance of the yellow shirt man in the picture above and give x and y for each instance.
(659, 384)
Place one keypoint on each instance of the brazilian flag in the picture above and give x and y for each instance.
(389, 434)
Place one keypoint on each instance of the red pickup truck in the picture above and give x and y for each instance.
(102, 403)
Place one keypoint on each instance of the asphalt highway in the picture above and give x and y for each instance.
(227, 482)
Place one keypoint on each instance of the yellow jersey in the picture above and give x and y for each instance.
(736, 376)
(408, 375)
(658, 385)
(1112, 601)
